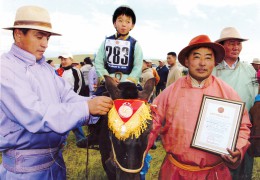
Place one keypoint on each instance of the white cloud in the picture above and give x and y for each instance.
(191, 8)
(120, 2)
(81, 34)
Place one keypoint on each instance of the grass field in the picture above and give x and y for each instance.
(75, 159)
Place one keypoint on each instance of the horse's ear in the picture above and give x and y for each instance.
(112, 88)
(147, 90)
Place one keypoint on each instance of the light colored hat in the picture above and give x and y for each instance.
(33, 17)
(66, 55)
(148, 60)
(229, 33)
(256, 61)
(202, 41)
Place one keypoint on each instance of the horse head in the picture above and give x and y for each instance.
(129, 149)
(128, 90)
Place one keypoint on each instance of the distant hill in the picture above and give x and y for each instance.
(77, 58)
(80, 57)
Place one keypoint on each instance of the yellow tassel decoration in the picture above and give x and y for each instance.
(134, 127)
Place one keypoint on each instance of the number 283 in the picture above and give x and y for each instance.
(114, 52)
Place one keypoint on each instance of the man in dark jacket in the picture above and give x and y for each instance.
(163, 73)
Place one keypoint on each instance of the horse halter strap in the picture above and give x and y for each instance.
(121, 167)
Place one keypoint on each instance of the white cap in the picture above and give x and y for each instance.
(66, 55)
(148, 60)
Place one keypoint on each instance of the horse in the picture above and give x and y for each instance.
(255, 131)
(123, 157)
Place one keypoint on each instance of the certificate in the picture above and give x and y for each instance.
(218, 125)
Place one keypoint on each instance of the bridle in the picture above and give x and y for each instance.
(120, 166)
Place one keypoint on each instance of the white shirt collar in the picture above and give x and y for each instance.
(226, 66)
(196, 84)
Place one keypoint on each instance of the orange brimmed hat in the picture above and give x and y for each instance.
(33, 17)
(202, 41)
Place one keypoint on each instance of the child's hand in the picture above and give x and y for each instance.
(95, 87)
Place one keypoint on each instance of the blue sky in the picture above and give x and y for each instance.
(161, 26)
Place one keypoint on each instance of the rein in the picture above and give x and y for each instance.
(87, 160)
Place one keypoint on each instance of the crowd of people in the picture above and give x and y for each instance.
(41, 104)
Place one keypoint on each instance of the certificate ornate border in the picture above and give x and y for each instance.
(238, 108)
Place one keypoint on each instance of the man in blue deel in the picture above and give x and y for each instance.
(38, 108)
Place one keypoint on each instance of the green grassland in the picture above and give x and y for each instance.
(75, 159)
